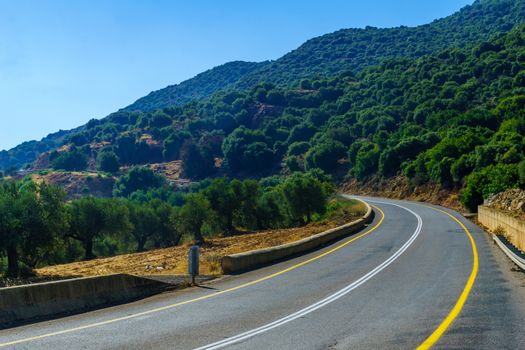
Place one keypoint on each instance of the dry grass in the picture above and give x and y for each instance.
(74, 182)
(170, 170)
(173, 261)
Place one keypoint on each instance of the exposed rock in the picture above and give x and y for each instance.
(512, 201)
(399, 188)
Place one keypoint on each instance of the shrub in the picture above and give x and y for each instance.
(73, 160)
(108, 161)
(490, 180)
(138, 178)
(521, 172)
(298, 148)
(325, 156)
(366, 161)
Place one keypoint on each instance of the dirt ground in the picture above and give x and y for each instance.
(399, 188)
(173, 260)
(75, 183)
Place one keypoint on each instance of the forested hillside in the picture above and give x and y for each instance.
(348, 50)
(204, 84)
(355, 49)
(12, 160)
(454, 118)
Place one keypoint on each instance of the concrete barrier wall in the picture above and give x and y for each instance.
(514, 228)
(254, 258)
(23, 303)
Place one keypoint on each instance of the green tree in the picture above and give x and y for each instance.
(72, 160)
(269, 212)
(366, 162)
(167, 233)
(247, 192)
(31, 218)
(198, 162)
(225, 122)
(126, 148)
(257, 157)
(390, 159)
(145, 223)
(10, 226)
(45, 222)
(108, 161)
(90, 218)
(172, 145)
(193, 215)
(224, 201)
(301, 132)
(304, 195)
(521, 172)
(138, 178)
(293, 163)
(490, 180)
(298, 148)
(325, 155)
(246, 150)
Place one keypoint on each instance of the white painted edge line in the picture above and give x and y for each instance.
(516, 259)
(329, 299)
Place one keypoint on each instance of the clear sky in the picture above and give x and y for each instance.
(64, 62)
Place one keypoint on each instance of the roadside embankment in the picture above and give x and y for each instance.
(255, 258)
(174, 260)
(513, 228)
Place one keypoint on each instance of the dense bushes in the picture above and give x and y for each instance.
(137, 179)
(490, 180)
(107, 161)
(521, 172)
(413, 113)
(74, 159)
(305, 195)
(325, 155)
(366, 161)
(247, 150)
(198, 161)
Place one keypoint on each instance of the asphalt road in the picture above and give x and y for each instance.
(410, 277)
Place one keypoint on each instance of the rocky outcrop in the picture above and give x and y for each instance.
(511, 201)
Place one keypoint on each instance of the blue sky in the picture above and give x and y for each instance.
(65, 62)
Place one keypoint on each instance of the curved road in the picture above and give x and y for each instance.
(410, 279)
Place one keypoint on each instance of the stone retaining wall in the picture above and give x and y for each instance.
(514, 228)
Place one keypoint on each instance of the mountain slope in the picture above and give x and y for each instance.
(454, 119)
(28, 151)
(325, 56)
(203, 84)
(355, 49)
(348, 50)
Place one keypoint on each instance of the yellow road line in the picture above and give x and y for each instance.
(167, 307)
(436, 335)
